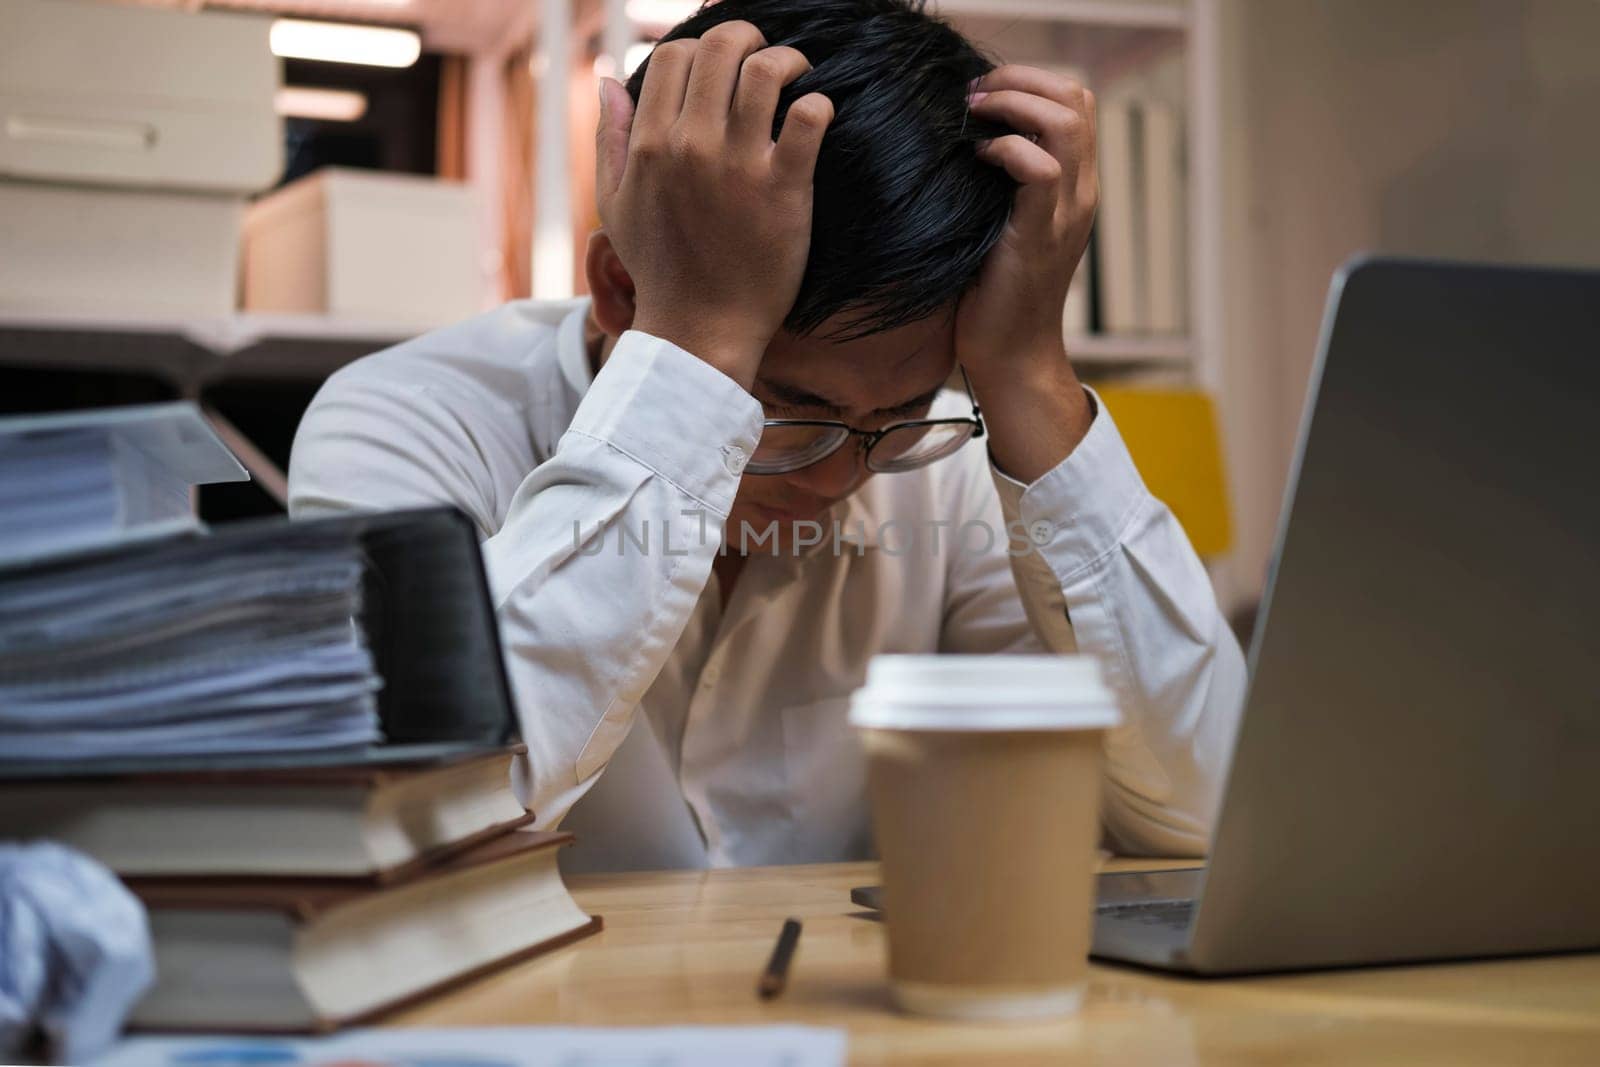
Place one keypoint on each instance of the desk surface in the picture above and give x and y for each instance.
(687, 947)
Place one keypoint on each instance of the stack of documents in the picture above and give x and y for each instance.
(86, 478)
(192, 647)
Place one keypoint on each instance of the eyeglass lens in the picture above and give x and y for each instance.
(787, 448)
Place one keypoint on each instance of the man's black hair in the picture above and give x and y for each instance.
(904, 210)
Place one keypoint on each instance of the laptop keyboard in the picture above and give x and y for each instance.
(1172, 914)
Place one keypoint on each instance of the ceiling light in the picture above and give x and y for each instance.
(636, 54)
(343, 42)
(330, 105)
(661, 12)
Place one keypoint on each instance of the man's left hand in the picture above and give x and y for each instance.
(1009, 324)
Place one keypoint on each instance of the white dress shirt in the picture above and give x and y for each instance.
(742, 754)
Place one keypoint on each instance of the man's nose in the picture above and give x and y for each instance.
(833, 477)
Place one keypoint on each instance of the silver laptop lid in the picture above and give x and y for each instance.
(1418, 771)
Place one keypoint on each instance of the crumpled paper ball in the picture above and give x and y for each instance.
(75, 953)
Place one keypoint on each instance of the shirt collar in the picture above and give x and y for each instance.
(572, 355)
(857, 518)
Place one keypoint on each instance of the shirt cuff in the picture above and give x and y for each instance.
(675, 414)
(1077, 511)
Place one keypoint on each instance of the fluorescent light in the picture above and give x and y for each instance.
(661, 12)
(636, 54)
(332, 105)
(342, 42)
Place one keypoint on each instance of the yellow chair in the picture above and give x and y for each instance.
(1173, 437)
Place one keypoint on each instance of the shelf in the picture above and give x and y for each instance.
(1149, 14)
(259, 345)
(1102, 350)
(193, 352)
(1100, 42)
(470, 26)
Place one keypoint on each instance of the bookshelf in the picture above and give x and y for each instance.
(1108, 40)
(1086, 14)
(190, 353)
(1137, 56)
(1107, 350)
(203, 359)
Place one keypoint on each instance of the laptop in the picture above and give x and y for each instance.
(1417, 772)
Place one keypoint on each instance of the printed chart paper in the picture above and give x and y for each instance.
(523, 1046)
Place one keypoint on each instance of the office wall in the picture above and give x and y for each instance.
(1458, 128)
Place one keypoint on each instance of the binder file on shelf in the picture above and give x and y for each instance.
(81, 479)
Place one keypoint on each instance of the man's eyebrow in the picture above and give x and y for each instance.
(794, 396)
(915, 404)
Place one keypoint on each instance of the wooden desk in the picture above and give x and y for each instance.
(686, 947)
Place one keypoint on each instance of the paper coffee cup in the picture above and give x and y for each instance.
(984, 773)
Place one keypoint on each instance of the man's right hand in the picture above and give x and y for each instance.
(710, 217)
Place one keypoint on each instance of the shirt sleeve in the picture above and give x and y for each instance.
(604, 549)
(1103, 568)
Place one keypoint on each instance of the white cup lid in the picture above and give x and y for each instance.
(1002, 692)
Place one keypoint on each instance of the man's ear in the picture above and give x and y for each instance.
(610, 285)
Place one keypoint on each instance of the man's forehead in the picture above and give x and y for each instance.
(853, 401)
(881, 372)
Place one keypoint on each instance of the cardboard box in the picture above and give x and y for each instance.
(133, 97)
(129, 139)
(80, 249)
(379, 247)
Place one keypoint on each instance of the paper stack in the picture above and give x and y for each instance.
(190, 648)
(85, 478)
(202, 714)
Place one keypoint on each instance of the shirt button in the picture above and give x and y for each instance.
(1041, 531)
(734, 458)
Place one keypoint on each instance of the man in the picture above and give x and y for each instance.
(812, 212)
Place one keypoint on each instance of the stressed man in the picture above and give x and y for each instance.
(712, 490)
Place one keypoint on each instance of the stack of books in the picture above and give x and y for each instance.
(1140, 261)
(302, 899)
(293, 741)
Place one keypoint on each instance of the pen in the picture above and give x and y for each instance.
(777, 972)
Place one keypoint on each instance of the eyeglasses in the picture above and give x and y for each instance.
(792, 444)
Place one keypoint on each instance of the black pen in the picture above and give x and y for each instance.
(777, 972)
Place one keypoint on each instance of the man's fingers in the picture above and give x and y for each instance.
(761, 80)
(611, 138)
(1089, 162)
(1058, 128)
(1067, 92)
(716, 71)
(1036, 171)
(661, 98)
(795, 156)
(1051, 86)
(1025, 161)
